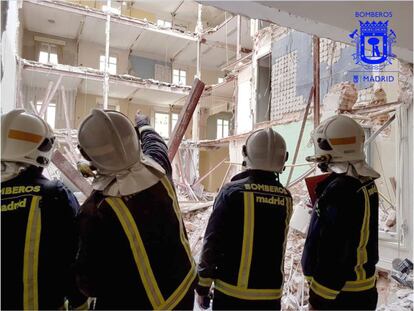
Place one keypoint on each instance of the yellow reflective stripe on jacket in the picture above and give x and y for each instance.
(31, 256)
(247, 293)
(360, 285)
(289, 210)
(138, 250)
(247, 247)
(362, 256)
(180, 292)
(321, 290)
(206, 282)
(84, 306)
(171, 193)
(352, 286)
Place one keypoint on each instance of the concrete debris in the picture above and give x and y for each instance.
(392, 297)
(405, 81)
(196, 223)
(391, 219)
(379, 98)
(342, 96)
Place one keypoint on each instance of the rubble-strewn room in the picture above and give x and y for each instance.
(207, 155)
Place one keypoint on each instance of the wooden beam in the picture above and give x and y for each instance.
(59, 160)
(302, 128)
(185, 117)
(316, 81)
(209, 172)
(374, 135)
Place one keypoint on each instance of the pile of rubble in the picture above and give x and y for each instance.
(196, 223)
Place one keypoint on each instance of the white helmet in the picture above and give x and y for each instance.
(265, 150)
(26, 138)
(108, 139)
(338, 139)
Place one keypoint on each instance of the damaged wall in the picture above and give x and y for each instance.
(66, 53)
(244, 115)
(209, 159)
(86, 102)
(212, 123)
(90, 52)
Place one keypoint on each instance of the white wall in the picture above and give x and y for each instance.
(8, 59)
(90, 52)
(244, 117)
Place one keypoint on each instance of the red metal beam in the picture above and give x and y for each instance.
(185, 117)
(59, 160)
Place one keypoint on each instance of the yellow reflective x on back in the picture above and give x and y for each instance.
(171, 193)
(31, 256)
(138, 250)
(247, 247)
(362, 256)
(142, 261)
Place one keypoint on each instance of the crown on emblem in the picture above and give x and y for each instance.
(374, 27)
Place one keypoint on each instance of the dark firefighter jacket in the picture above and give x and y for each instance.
(134, 250)
(39, 242)
(341, 248)
(245, 239)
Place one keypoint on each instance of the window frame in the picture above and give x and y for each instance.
(48, 51)
(102, 63)
(182, 79)
(223, 124)
(168, 123)
(163, 23)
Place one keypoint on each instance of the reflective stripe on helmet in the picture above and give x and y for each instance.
(343, 140)
(25, 136)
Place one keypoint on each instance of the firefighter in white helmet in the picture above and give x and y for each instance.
(244, 243)
(134, 250)
(341, 248)
(39, 241)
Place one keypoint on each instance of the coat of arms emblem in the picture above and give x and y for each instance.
(373, 45)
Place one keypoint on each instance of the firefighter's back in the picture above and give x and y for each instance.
(38, 242)
(255, 238)
(144, 257)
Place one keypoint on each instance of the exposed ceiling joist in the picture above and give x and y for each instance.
(98, 76)
(129, 21)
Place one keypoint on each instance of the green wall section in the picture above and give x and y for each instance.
(290, 133)
(212, 123)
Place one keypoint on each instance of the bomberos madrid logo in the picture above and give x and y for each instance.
(373, 44)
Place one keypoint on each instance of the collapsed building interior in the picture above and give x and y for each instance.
(258, 65)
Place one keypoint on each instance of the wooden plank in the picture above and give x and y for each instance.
(302, 128)
(373, 136)
(209, 172)
(59, 160)
(316, 82)
(185, 117)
